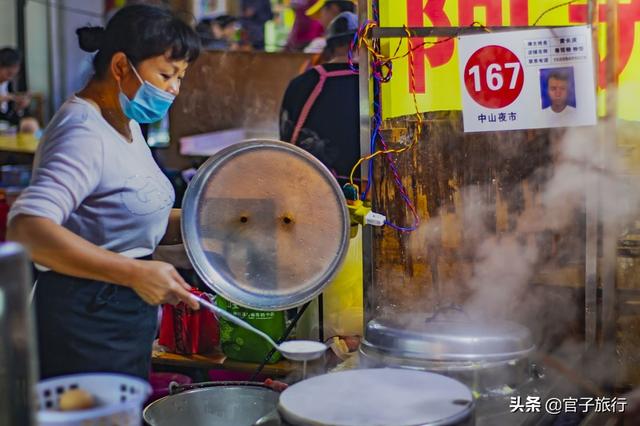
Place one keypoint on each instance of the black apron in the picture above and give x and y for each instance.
(87, 326)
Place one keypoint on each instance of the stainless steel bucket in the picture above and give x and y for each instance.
(237, 405)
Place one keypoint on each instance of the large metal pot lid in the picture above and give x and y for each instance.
(372, 397)
(265, 224)
(422, 337)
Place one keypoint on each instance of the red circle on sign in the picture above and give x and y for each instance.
(494, 76)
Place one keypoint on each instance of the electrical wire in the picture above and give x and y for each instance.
(379, 63)
(558, 6)
(382, 72)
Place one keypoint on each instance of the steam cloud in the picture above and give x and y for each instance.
(505, 263)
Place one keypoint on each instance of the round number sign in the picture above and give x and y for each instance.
(494, 77)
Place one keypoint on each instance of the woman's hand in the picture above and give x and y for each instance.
(57, 248)
(159, 282)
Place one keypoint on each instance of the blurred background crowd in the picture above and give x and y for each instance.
(270, 25)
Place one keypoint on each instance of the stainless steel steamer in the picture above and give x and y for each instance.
(486, 356)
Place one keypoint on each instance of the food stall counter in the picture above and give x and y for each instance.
(219, 360)
(21, 142)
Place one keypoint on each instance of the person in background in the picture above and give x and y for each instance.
(222, 31)
(98, 205)
(255, 13)
(325, 11)
(14, 106)
(204, 31)
(304, 28)
(320, 109)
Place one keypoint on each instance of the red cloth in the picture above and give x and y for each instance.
(185, 331)
(304, 28)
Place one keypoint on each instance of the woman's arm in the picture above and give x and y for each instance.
(55, 247)
(173, 234)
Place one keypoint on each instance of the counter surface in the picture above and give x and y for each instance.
(22, 142)
(219, 360)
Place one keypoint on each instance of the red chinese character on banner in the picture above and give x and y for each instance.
(437, 54)
(518, 12)
(628, 15)
(493, 11)
(441, 53)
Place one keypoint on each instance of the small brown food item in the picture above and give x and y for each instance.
(76, 399)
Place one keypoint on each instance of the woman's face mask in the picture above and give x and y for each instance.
(149, 105)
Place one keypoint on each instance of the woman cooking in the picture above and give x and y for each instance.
(98, 205)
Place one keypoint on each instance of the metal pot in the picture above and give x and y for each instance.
(483, 355)
(238, 405)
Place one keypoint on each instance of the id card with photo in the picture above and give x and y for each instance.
(527, 79)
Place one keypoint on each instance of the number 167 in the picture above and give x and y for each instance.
(493, 76)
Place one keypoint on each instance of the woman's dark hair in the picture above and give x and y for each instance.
(9, 57)
(140, 32)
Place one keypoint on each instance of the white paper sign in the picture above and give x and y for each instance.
(527, 79)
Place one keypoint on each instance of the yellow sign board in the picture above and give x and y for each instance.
(435, 78)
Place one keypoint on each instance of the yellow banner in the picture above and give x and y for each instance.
(435, 80)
